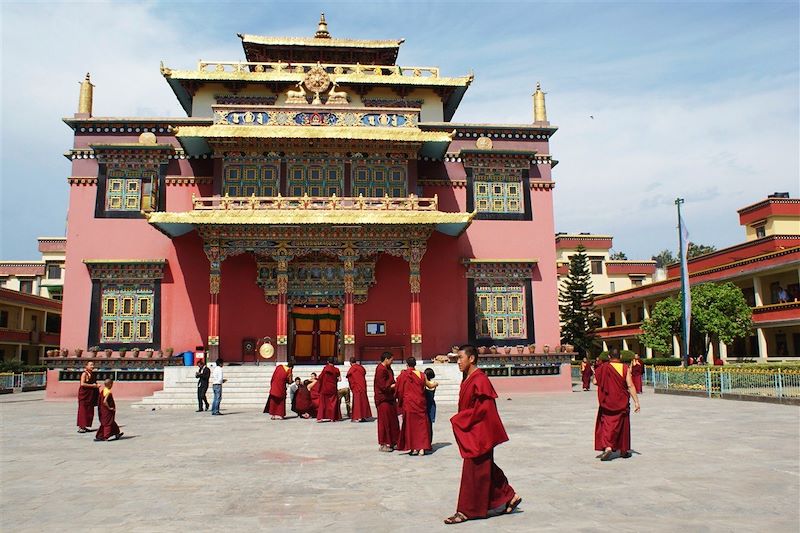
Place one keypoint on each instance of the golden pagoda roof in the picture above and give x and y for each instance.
(179, 223)
(315, 41)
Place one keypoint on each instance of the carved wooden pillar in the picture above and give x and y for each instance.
(215, 258)
(349, 325)
(414, 259)
(282, 330)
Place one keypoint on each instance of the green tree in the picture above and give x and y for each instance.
(664, 258)
(719, 311)
(618, 256)
(578, 315)
(664, 322)
(700, 249)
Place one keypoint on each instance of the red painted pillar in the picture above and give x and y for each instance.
(349, 309)
(416, 311)
(282, 333)
(215, 258)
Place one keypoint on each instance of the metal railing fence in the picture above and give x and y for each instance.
(647, 378)
(9, 380)
(721, 381)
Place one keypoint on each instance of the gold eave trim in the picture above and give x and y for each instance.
(364, 78)
(307, 217)
(312, 132)
(315, 42)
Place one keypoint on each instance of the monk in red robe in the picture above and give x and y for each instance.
(108, 413)
(303, 403)
(612, 430)
(586, 373)
(329, 410)
(637, 369)
(478, 429)
(385, 404)
(276, 402)
(313, 388)
(415, 434)
(87, 397)
(357, 377)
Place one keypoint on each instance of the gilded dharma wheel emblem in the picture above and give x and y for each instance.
(484, 143)
(317, 80)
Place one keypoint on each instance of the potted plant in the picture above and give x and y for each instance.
(148, 353)
(108, 352)
(123, 352)
(49, 353)
(569, 348)
(493, 349)
(546, 349)
(169, 351)
(531, 349)
(454, 348)
(507, 350)
(135, 352)
(483, 350)
(77, 352)
(94, 350)
(63, 352)
(558, 348)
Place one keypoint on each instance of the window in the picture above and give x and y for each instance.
(500, 312)
(612, 319)
(53, 271)
(250, 177)
(375, 328)
(612, 286)
(3, 319)
(637, 282)
(315, 178)
(376, 180)
(597, 265)
(127, 313)
(131, 189)
(34, 323)
(496, 191)
(26, 285)
(761, 231)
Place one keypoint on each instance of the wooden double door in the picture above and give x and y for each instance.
(315, 333)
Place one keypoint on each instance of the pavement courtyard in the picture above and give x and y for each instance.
(701, 465)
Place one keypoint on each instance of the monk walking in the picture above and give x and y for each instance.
(276, 402)
(357, 377)
(108, 413)
(586, 373)
(329, 410)
(385, 404)
(478, 429)
(637, 369)
(87, 397)
(415, 434)
(612, 430)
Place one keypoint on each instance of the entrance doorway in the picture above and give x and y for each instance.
(315, 333)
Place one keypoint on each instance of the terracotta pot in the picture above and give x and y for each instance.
(483, 350)
(148, 353)
(493, 349)
(77, 352)
(531, 348)
(108, 353)
(520, 349)
(546, 349)
(569, 348)
(507, 350)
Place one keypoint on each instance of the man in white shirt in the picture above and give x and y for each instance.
(216, 383)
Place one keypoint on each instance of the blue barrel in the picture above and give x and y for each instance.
(188, 359)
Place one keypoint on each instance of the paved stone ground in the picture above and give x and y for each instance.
(702, 465)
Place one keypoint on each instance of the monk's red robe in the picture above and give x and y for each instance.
(328, 394)
(357, 378)
(385, 405)
(87, 400)
(303, 402)
(613, 426)
(637, 369)
(276, 402)
(415, 432)
(586, 375)
(478, 429)
(399, 387)
(108, 426)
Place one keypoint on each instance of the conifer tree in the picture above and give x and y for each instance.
(578, 315)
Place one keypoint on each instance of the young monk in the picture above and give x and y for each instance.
(329, 410)
(415, 433)
(586, 373)
(303, 403)
(87, 397)
(612, 430)
(276, 402)
(108, 413)
(385, 404)
(478, 429)
(430, 400)
(313, 388)
(356, 376)
(637, 369)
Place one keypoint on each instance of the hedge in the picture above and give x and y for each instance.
(17, 367)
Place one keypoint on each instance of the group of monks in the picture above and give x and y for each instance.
(92, 394)
(588, 370)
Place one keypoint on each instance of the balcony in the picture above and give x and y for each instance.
(777, 313)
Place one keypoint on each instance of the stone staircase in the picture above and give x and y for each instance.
(247, 385)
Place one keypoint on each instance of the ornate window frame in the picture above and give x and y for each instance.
(500, 273)
(507, 167)
(125, 272)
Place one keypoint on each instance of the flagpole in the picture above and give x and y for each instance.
(684, 286)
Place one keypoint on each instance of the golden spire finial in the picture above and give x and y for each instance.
(322, 28)
(85, 97)
(539, 109)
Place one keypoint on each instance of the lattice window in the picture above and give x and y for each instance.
(315, 178)
(131, 189)
(127, 312)
(498, 192)
(248, 177)
(500, 311)
(376, 181)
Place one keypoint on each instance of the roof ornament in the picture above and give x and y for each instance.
(85, 98)
(539, 110)
(322, 28)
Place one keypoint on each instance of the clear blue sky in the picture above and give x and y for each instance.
(690, 99)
